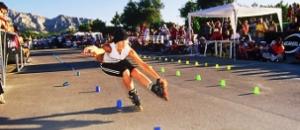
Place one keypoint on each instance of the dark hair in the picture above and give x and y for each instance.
(2, 5)
(119, 35)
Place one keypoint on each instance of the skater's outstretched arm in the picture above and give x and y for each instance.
(96, 52)
(135, 57)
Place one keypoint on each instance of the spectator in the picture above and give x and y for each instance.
(277, 50)
(217, 31)
(273, 27)
(227, 30)
(293, 27)
(252, 51)
(4, 25)
(173, 32)
(252, 27)
(164, 32)
(181, 34)
(26, 50)
(189, 35)
(245, 28)
(261, 28)
(207, 30)
(290, 13)
(3, 16)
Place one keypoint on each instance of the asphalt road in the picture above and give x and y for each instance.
(36, 98)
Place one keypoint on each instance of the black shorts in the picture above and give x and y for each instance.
(117, 69)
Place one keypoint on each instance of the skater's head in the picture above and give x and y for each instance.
(120, 35)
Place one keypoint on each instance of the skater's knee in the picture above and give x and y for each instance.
(126, 73)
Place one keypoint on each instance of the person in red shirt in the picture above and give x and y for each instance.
(277, 50)
(217, 32)
(174, 33)
(245, 28)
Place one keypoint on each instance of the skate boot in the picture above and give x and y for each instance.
(135, 99)
(160, 89)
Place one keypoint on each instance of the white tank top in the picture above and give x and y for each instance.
(115, 56)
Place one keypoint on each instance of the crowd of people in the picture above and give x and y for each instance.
(69, 40)
(260, 38)
(256, 35)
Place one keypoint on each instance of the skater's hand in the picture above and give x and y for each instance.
(92, 51)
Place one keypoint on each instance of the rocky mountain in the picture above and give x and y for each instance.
(25, 21)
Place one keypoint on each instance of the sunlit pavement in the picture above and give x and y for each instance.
(37, 99)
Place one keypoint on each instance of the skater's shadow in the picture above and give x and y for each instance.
(87, 92)
(190, 80)
(246, 94)
(58, 86)
(213, 86)
(54, 123)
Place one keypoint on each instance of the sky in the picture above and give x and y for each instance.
(104, 9)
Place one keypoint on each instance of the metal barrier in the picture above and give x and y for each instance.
(219, 47)
(4, 54)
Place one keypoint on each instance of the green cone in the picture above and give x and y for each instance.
(179, 61)
(196, 63)
(206, 64)
(198, 77)
(222, 83)
(187, 62)
(162, 69)
(217, 66)
(228, 67)
(256, 90)
(178, 73)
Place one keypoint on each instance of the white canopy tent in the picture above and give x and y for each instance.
(234, 11)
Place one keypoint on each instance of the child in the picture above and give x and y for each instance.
(112, 57)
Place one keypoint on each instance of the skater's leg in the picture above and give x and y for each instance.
(132, 92)
(158, 88)
(127, 80)
(142, 78)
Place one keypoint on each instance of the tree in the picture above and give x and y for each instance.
(190, 6)
(130, 17)
(284, 8)
(116, 21)
(86, 27)
(204, 4)
(98, 26)
(144, 11)
(150, 11)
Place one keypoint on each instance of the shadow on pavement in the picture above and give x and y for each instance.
(52, 52)
(246, 94)
(44, 122)
(54, 67)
